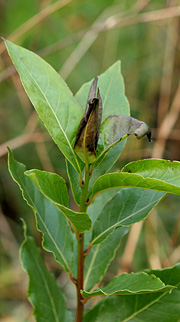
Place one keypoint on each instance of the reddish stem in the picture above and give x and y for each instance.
(80, 304)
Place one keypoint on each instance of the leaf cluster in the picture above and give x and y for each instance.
(90, 129)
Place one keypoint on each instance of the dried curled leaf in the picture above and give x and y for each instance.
(116, 128)
(89, 127)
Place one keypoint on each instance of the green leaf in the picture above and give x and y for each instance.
(96, 263)
(99, 258)
(106, 165)
(54, 188)
(127, 207)
(133, 283)
(43, 292)
(51, 98)
(111, 85)
(97, 205)
(116, 128)
(153, 174)
(52, 184)
(57, 236)
(155, 307)
(156, 168)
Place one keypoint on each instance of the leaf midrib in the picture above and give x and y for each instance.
(146, 306)
(113, 226)
(51, 110)
(100, 187)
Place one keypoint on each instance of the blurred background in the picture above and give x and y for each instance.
(81, 39)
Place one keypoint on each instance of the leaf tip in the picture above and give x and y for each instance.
(9, 150)
(10, 157)
(6, 42)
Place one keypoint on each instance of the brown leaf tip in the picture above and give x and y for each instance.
(149, 136)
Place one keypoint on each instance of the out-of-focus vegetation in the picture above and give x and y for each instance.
(80, 39)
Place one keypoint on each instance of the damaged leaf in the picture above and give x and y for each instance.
(116, 128)
(88, 131)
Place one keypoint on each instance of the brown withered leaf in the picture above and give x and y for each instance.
(88, 131)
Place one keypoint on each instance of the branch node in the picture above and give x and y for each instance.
(73, 279)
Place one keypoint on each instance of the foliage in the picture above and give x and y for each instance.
(141, 185)
(44, 293)
(157, 306)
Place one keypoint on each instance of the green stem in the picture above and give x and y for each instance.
(80, 261)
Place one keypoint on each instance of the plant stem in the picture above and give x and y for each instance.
(80, 305)
(80, 261)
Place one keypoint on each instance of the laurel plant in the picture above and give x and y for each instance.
(91, 129)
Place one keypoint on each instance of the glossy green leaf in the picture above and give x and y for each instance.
(127, 207)
(57, 236)
(133, 283)
(153, 174)
(112, 90)
(157, 306)
(53, 185)
(51, 98)
(43, 291)
(54, 188)
(164, 170)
